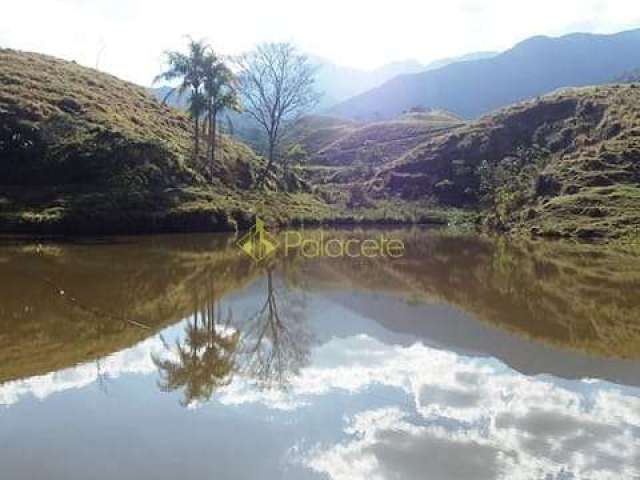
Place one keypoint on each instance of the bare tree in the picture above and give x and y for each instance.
(276, 85)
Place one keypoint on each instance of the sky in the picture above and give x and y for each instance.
(127, 37)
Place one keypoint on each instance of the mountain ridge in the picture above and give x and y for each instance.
(533, 67)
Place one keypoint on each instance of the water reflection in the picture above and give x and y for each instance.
(69, 303)
(469, 358)
(477, 420)
(204, 360)
(268, 346)
(276, 338)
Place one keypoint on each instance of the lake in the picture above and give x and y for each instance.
(469, 357)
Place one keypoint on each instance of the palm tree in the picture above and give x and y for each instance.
(188, 69)
(219, 90)
(197, 106)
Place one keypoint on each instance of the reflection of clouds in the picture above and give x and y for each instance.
(385, 445)
(133, 360)
(467, 418)
(472, 419)
(348, 364)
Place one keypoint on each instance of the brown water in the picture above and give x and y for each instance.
(178, 357)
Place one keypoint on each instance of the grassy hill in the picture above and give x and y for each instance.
(342, 151)
(533, 67)
(565, 164)
(378, 142)
(84, 152)
(67, 124)
(315, 132)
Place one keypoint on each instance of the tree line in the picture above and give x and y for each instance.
(273, 85)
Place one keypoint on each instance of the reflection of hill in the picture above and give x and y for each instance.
(578, 297)
(63, 305)
(445, 327)
(73, 303)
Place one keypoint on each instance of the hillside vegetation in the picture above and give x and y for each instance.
(343, 151)
(67, 124)
(565, 164)
(84, 152)
(378, 142)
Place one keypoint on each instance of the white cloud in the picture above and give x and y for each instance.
(358, 33)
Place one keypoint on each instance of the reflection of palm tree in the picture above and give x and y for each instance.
(269, 347)
(275, 341)
(205, 359)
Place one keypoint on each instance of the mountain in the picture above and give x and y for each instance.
(443, 62)
(341, 83)
(338, 83)
(84, 152)
(565, 164)
(533, 67)
(628, 77)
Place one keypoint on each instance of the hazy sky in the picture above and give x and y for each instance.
(132, 34)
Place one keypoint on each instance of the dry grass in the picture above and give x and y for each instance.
(80, 125)
(586, 145)
(348, 143)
